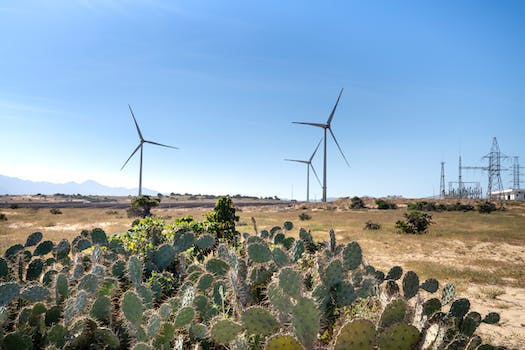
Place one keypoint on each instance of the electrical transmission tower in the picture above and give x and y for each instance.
(516, 173)
(442, 182)
(494, 169)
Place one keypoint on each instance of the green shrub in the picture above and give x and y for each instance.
(3, 217)
(14, 206)
(369, 225)
(384, 205)
(357, 203)
(221, 221)
(55, 211)
(486, 207)
(416, 223)
(142, 205)
(304, 216)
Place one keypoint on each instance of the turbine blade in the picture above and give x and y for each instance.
(136, 124)
(296, 160)
(319, 125)
(339, 147)
(132, 154)
(333, 110)
(315, 173)
(316, 148)
(160, 144)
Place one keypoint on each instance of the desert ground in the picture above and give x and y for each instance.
(482, 254)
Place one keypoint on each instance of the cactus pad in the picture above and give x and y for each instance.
(142, 346)
(164, 256)
(12, 251)
(17, 341)
(61, 287)
(399, 336)
(280, 257)
(491, 318)
(344, 294)
(306, 321)
(204, 307)
(183, 241)
(298, 250)
(410, 284)
(98, 236)
(89, 283)
(131, 306)
(258, 320)
(8, 292)
(83, 244)
(34, 270)
(118, 269)
(184, 316)
(459, 308)
(4, 268)
(198, 331)
(283, 342)
(101, 309)
(259, 253)
(44, 248)
(470, 323)
(431, 285)
(33, 239)
(35, 293)
(135, 269)
(393, 313)
(356, 335)
(352, 256)
(278, 299)
(62, 249)
(448, 293)
(291, 282)
(431, 306)
(205, 241)
(334, 273)
(224, 331)
(395, 273)
(205, 282)
(217, 267)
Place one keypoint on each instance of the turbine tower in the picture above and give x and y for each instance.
(308, 165)
(442, 182)
(327, 126)
(142, 141)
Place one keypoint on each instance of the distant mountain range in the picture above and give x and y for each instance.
(16, 186)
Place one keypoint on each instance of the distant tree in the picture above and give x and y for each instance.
(357, 203)
(382, 204)
(221, 221)
(142, 205)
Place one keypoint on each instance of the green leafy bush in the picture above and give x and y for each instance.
(486, 207)
(369, 225)
(3, 217)
(221, 221)
(416, 222)
(304, 216)
(55, 211)
(141, 206)
(385, 205)
(357, 203)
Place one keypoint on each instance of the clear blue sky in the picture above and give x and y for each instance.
(223, 80)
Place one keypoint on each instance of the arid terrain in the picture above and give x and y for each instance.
(482, 254)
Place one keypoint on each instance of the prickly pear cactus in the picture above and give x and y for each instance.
(358, 334)
(283, 342)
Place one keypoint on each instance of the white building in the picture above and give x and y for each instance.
(510, 194)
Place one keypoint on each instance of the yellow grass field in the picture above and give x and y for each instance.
(482, 254)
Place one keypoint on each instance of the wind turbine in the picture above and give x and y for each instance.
(142, 141)
(325, 127)
(308, 165)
